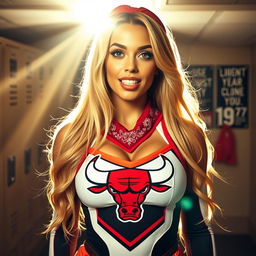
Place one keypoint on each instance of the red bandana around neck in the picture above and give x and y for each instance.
(129, 140)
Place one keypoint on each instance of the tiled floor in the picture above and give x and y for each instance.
(227, 245)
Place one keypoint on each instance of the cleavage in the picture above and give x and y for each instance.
(150, 145)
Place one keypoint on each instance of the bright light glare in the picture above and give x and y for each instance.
(94, 14)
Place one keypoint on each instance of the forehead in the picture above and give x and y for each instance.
(130, 34)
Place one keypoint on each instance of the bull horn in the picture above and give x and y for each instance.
(154, 164)
(164, 173)
(96, 175)
(106, 166)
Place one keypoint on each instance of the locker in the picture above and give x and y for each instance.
(11, 89)
(38, 146)
(32, 90)
(18, 92)
(41, 166)
(28, 129)
(13, 200)
(10, 168)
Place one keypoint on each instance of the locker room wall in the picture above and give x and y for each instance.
(11, 164)
(235, 197)
(20, 211)
(31, 92)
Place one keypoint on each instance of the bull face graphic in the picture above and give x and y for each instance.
(129, 186)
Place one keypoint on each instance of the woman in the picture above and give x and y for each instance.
(132, 159)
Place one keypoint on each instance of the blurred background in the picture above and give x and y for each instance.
(43, 44)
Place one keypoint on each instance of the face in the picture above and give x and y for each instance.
(130, 65)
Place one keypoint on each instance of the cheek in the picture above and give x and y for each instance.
(108, 69)
(109, 74)
(150, 75)
(150, 72)
(112, 67)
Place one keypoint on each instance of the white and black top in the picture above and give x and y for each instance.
(132, 208)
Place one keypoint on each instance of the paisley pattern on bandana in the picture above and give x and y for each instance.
(130, 139)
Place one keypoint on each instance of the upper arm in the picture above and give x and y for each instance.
(198, 235)
(58, 245)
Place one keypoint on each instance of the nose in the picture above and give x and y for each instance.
(131, 65)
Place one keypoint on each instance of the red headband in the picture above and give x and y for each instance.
(130, 9)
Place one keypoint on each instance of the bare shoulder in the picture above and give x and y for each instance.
(59, 137)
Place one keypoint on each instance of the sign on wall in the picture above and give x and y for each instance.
(232, 96)
(202, 80)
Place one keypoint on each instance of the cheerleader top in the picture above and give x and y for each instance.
(133, 208)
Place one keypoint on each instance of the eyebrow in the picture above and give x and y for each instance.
(124, 47)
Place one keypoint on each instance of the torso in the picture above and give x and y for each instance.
(129, 199)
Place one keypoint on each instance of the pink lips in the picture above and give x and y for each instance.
(129, 85)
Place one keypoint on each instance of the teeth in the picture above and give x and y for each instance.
(129, 82)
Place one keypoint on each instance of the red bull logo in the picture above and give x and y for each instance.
(129, 187)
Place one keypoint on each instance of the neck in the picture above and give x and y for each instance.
(128, 112)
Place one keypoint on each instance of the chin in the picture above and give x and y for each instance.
(131, 98)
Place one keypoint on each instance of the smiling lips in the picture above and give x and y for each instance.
(130, 83)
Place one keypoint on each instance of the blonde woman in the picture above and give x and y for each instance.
(132, 160)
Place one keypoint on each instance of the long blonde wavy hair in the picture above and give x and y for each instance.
(171, 93)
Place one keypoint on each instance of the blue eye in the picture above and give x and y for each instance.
(146, 55)
(117, 53)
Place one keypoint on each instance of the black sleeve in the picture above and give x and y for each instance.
(58, 244)
(198, 234)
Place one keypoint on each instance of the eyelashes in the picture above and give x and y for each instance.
(145, 55)
(117, 53)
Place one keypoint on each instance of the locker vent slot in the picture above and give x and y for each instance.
(41, 84)
(28, 93)
(13, 95)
